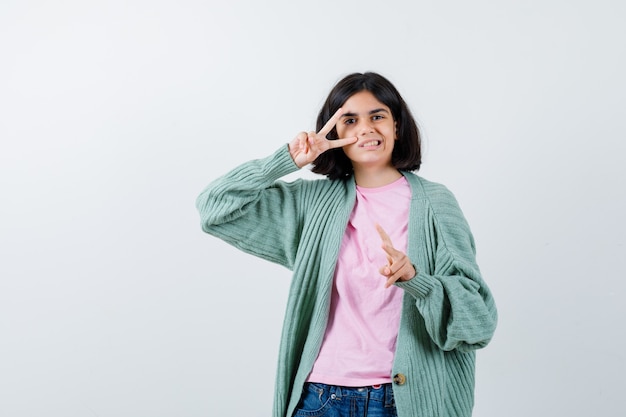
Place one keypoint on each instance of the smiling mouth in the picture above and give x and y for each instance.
(371, 143)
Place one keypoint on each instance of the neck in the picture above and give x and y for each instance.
(376, 178)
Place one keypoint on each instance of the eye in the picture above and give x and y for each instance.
(349, 121)
(378, 117)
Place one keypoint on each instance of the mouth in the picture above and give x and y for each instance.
(370, 143)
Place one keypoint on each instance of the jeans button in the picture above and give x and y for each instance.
(399, 379)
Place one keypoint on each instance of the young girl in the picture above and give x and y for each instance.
(387, 304)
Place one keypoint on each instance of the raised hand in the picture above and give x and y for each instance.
(307, 146)
(399, 266)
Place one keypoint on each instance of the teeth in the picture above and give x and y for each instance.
(371, 143)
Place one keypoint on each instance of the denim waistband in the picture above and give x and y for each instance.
(382, 392)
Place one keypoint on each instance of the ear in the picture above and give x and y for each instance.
(395, 124)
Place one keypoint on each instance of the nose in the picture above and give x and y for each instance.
(365, 126)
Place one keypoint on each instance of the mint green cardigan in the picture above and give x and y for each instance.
(448, 311)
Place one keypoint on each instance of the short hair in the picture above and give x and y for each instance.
(406, 155)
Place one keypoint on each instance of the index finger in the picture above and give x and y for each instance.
(383, 235)
(330, 123)
(338, 143)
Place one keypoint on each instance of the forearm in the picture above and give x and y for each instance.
(224, 199)
(251, 210)
(459, 312)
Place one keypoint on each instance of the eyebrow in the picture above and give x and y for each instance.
(370, 112)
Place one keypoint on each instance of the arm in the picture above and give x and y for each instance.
(249, 209)
(451, 296)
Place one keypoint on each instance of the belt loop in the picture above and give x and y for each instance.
(338, 392)
(389, 400)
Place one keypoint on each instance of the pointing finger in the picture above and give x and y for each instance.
(330, 123)
(383, 235)
(338, 143)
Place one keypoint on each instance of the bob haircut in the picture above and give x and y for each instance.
(407, 153)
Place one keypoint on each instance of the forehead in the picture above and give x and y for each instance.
(363, 101)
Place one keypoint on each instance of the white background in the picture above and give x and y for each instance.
(115, 114)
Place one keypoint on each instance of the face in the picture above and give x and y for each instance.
(372, 123)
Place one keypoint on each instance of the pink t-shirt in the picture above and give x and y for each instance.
(360, 339)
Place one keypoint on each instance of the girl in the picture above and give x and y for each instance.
(387, 304)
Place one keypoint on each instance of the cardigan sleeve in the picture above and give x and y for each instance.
(450, 294)
(253, 211)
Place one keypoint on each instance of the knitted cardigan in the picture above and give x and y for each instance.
(448, 311)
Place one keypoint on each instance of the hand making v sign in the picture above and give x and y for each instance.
(305, 147)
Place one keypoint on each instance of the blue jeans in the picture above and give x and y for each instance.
(332, 401)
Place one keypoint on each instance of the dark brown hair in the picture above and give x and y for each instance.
(406, 155)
